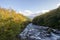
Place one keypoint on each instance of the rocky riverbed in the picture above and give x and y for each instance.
(34, 32)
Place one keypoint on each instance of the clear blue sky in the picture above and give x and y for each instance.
(33, 5)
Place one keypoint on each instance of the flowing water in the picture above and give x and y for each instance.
(34, 32)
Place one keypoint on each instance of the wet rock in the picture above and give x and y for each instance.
(34, 32)
(58, 39)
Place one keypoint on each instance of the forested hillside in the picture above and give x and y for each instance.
(50, 19)
(11, 24)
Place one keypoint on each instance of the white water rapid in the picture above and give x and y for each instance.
(34, 32)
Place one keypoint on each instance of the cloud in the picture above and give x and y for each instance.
(29, 13)
(58, 4)
(43, 11)
(32, 14)
(26, 12)
(37, 11)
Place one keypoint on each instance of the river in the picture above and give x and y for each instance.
(35, 32)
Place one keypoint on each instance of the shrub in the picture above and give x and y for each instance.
(51, 19)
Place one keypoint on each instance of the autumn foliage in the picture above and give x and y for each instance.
(11, 24)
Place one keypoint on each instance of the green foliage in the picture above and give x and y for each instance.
(51, 19)
(11, 24)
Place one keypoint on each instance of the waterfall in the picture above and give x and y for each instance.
(34, 32)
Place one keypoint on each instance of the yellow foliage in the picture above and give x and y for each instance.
(6, 13)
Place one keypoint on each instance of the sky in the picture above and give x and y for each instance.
(30, 7)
